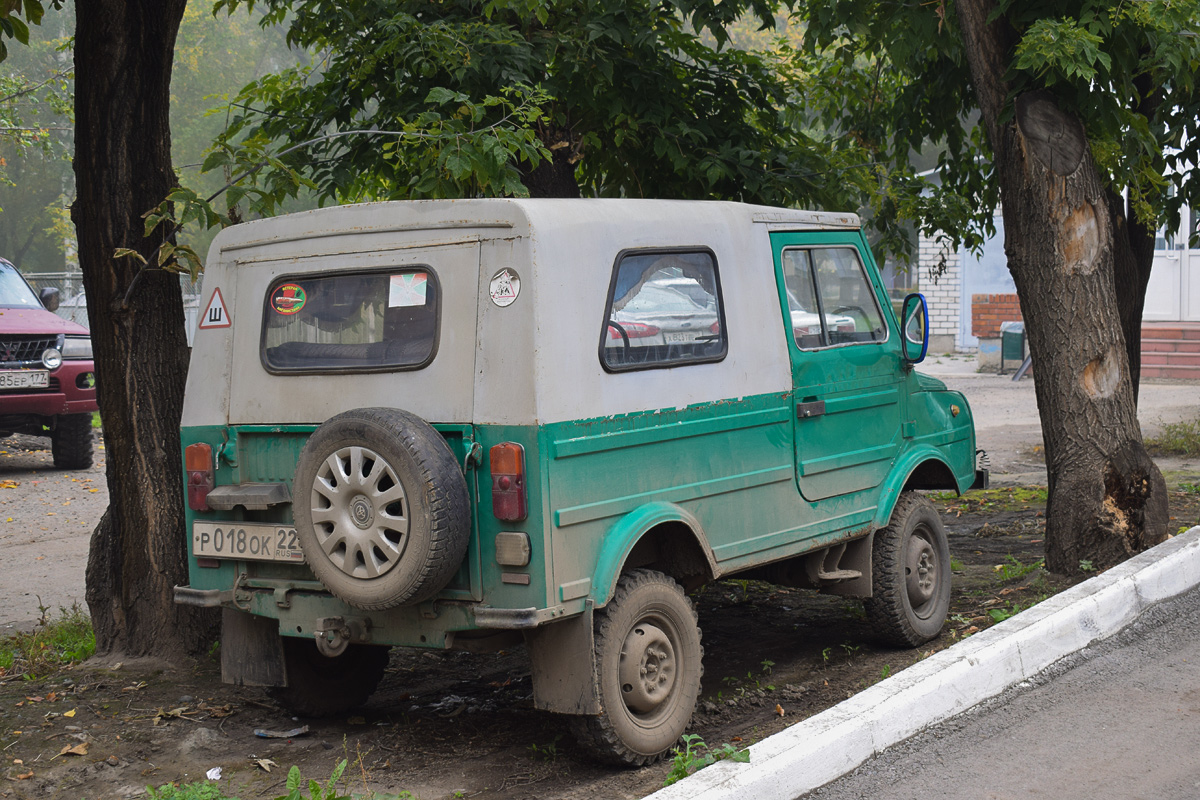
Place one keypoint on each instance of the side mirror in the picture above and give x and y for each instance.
(49, 297)
(914, 322)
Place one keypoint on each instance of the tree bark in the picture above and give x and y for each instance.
(1133, 259)
(123, 56)
(1107, 498)
(555, 177)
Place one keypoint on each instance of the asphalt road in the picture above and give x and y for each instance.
(1119, 720)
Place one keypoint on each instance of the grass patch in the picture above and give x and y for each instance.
(66, 639)
(1177, 439)
(1009, 498)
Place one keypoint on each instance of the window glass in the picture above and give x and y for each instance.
(665, 310)
(14, 292)
(829, 298)
(356, 322)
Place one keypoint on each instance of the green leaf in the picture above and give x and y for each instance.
(440, 95)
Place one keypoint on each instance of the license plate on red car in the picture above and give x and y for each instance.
(24, 379)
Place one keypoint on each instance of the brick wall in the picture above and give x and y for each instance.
(989, 310)
(944, 295)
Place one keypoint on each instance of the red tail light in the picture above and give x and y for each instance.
(634, 330)
(508, 481)
(198, 461)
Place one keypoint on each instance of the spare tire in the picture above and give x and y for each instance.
(381, 508)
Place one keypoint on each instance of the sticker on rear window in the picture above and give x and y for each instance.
(288, 299)
(407, 290)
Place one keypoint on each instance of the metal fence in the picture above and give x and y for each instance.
(72, 303)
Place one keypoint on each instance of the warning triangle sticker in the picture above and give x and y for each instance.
(216, 315)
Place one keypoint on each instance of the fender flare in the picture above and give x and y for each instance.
(621, 538)
(899, 476)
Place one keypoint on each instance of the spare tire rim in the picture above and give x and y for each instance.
(359, 512)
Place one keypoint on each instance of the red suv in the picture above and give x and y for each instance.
(47, 385)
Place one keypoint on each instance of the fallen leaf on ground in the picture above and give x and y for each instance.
(266, 764)
(25, 775)
(78, 750)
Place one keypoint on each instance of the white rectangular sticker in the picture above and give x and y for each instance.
(248, 541)
(407, 289)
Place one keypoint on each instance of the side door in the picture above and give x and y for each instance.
(847, 370)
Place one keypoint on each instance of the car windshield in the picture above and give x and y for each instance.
(14, 291)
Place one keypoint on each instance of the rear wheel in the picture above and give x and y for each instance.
(910, 574)
(319, 686)
(648, 658)
(71, 441)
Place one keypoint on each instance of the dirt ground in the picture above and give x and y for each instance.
(448, 724)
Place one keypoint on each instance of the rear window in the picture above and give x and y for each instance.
(352, 322)
(664, 310)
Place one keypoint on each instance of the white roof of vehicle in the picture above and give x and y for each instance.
(535, 361)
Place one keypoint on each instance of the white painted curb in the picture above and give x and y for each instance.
(830, 744)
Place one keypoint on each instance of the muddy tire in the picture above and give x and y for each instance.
(71, 441)
(910, 574)
(381, 508)
(319, 686)
(648, 660)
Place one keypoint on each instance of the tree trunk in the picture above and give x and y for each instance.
(123, 55)
(1133, 258)
(556, 176)
(1107, 499)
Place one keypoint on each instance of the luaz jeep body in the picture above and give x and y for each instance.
(456, 424)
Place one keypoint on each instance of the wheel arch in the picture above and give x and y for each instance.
(661, 536)
(921, 468)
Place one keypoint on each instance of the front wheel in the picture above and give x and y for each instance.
(910, 581)
(71, 441)
(648, 660)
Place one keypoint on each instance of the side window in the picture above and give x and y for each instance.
(351, 322)
(664, 310)
(829, 298)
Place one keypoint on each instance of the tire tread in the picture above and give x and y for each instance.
(885, 609)
(597, 734)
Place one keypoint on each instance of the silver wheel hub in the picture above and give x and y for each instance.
(648, 668)
(921, 572)
(360, 512)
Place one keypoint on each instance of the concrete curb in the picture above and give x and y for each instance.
(830, 744)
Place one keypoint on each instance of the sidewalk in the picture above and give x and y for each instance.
(834, 742)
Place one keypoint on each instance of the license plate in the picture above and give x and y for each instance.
(681, 337)
(248, 541)
(24, 379)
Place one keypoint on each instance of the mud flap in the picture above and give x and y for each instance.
(564, 666)
(251, 651)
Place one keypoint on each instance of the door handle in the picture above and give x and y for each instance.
(812, 408)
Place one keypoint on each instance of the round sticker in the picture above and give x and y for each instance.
(288, 299)
(506, 285)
